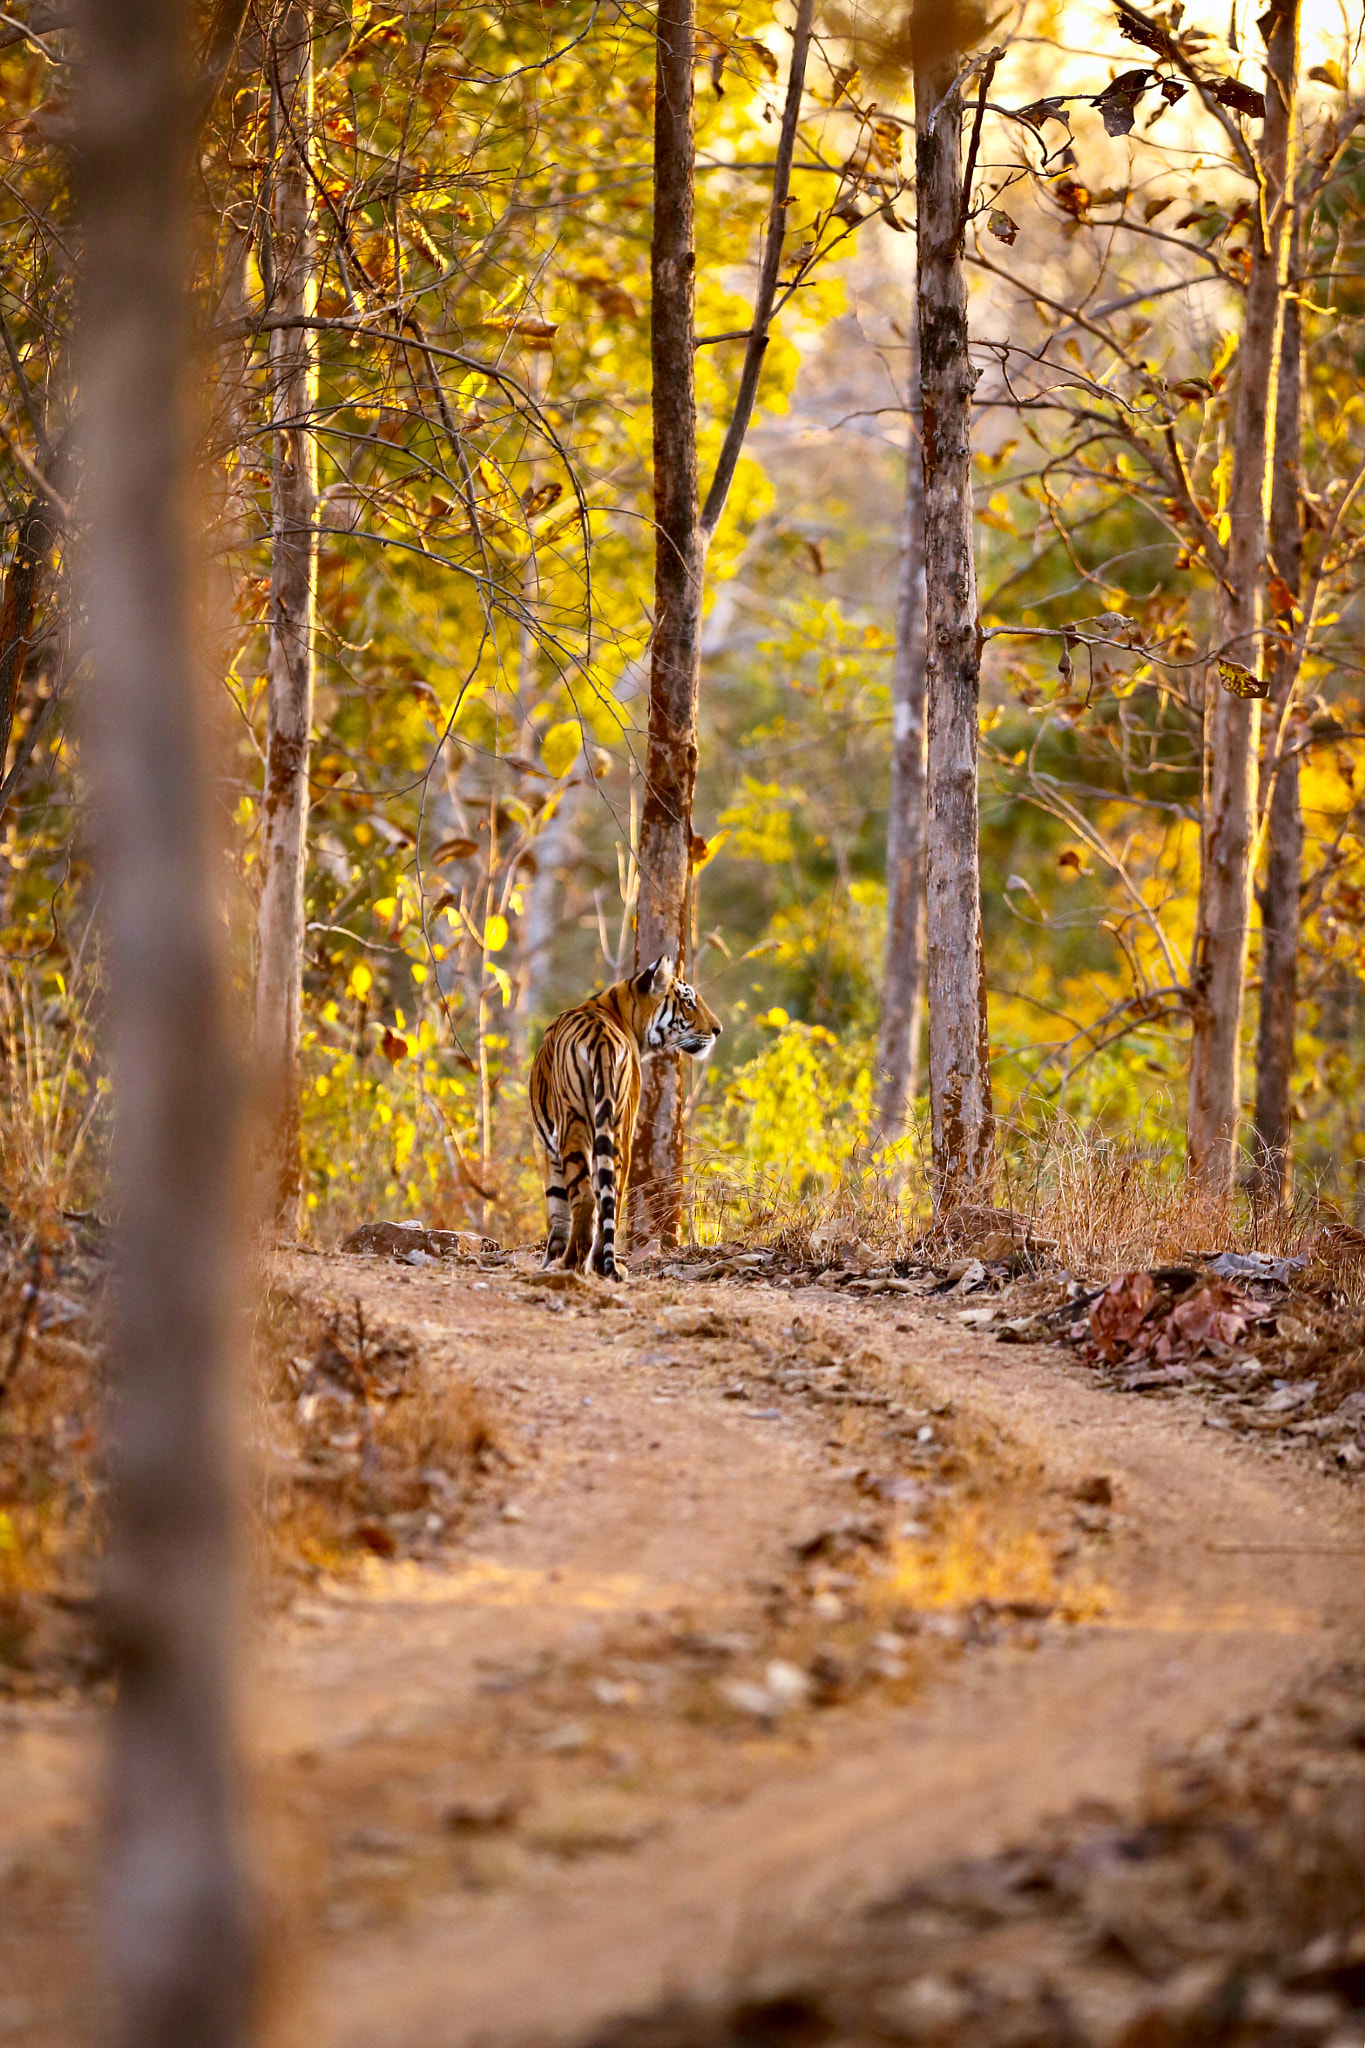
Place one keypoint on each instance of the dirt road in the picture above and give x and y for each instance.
(775, 1601)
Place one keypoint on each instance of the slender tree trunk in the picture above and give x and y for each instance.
(33, 544)
(293, 608)
(1279, 899)
(682, 539)
(959, 1068)
(1232, 725)
(540, 921)
(675, 671)
(40, 529)
(176, 1919)
(903, 976)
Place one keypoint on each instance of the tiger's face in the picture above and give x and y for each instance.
(678, 1019)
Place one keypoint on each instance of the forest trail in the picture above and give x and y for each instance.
(617, 1831)
(773, 1600)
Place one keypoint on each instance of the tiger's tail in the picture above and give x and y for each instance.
(604, 1167)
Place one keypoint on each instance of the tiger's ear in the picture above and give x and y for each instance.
(654, 979)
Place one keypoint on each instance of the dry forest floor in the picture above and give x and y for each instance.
(751, 1654)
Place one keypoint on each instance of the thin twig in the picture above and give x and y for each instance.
(987, 74)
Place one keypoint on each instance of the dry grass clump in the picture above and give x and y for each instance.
(1069, 1198)
(53, 1099)
(365, 1445)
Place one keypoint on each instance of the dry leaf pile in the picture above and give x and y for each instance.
(1168, 1316)
(364, 1443)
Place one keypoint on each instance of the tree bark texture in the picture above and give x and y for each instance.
(293, 609)
(903, 973)
(1232, 724)
(1279, 897)
(675, 667)
(959, 1068)
(175, 1914)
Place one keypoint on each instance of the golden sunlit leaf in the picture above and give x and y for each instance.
(1240, 681)
(538, 334)
(561, 746)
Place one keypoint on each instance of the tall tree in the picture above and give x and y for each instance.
(39, 529)
(176, 1913)
(903, 974)
(1232, 721)
(675, 660)
(959, 1066)
(682, 536)
(290, 274)
(1279, 895)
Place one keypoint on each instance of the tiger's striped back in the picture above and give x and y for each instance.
(585, 1093)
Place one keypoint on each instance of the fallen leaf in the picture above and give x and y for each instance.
(1116, 1318)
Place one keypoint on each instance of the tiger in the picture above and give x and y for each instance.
(585, 1092)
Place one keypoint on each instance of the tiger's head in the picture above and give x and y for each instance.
(670, 1016)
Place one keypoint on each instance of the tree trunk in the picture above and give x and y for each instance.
(33, 544)
(1279, 899)
(175, 1915)
(541, 920)
(293, 608)
(959, 1069)
(902, 979)
(675, 670)
(1232, 725)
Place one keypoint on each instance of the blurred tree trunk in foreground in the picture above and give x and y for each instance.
(291, 290)
(903, 974)
(1232, 721)
(1279, 899)
(176, 1920)
(959, 1066)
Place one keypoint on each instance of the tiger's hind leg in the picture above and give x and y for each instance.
(557, 1207)
(578, 1196)
(603, 1258)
